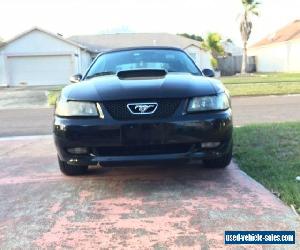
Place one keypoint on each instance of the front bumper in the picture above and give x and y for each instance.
(111, 141)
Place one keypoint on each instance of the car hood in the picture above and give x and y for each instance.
(173, 85)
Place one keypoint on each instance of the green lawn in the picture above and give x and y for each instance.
(255, 89)
(271, 155)
(262, 78)
(263, 84)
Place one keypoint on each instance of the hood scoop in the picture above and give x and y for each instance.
(141, 74)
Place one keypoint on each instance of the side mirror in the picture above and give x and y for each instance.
(75, 78)
(208, 72)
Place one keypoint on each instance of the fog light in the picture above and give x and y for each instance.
(210, 144)
(78, 151)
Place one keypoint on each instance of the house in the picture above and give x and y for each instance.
(279, 52)
(100, 43)
(39, 57)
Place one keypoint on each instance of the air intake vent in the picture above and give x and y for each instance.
(141, 73)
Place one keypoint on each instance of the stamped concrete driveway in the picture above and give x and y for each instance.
(153, 207)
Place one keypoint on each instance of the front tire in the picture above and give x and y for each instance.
(71, 170)
(221, 162)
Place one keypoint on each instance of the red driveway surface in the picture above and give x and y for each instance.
(154, 207)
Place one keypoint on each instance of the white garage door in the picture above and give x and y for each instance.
(40, 70)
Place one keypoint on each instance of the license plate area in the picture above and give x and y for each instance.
(142, 134)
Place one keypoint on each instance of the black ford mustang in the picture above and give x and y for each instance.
(143, 104)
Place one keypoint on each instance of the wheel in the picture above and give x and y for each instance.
(221, 162)
(70, 169)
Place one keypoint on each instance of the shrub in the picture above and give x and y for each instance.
(214, 63)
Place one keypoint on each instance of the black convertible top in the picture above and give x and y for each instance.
(142, 48)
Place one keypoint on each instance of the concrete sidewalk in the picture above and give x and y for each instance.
(24, 97)
(265, 109)
(154, 207)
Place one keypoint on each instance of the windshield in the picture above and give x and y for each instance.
(169, 60)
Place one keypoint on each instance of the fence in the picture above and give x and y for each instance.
(231, 65)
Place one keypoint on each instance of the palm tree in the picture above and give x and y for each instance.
(212, 43)
(250, 9)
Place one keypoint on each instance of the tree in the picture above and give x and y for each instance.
(193, 36)
(250, 9)
(212, 43)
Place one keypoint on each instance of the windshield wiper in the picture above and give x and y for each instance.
(105, 73)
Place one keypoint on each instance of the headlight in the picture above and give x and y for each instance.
(73, 108)
(207, 103)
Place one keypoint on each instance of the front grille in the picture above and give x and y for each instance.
(142, 150)
(118, 109)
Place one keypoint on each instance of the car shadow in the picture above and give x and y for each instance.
(158, 180)
(195, 170)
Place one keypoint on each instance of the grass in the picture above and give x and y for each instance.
(263, 84)
(250, 85)
(52, 96)
(255, 89)
(270, 154)
(262, 78)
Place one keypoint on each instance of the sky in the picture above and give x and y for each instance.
(79, 17)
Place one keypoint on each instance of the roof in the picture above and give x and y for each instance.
(46, 32)
(287, 33)
(113, 41)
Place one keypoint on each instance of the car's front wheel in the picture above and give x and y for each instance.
(67, 169)
(221, 162)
